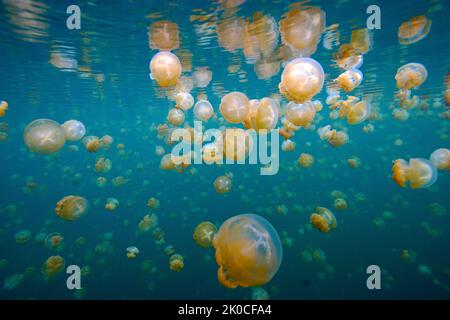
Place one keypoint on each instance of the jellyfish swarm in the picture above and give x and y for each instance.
(165, 68)
(419, 173)
(44, 136)
(72, 208)
(248, 251)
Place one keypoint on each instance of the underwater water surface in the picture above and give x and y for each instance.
(99, 75)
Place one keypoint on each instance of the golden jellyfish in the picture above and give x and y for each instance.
(361, 40)
(410, 76)
(230, 33)
(103, 165)
(119, 181)
(44, 136)
(340, 204)
(106, 141)
(354, 162)
(111, 204)
(148, 222)
(266, 68)
(167, 163)
(301, 79)
(301, 115)
(323, 219)
(72, 208)
(204, 234)
(419, 173)
(92, 143)
(212, 153)
(414, 30)
(349, 80)
(400, 114)
(234, 107)
(236, 144)
(203, 110)
(132, 252)
(153, 203)
(74, 130)
(53, 240)
(3, 108)
(305, 160)
(175, 117)
(358, 112)
(263, 114)
(440, 158)
(301, 29)
(176, 262)
(202, 77)
(184, 100)
(248, 251)
(164, 35)
(223, 184)
(338, 138)
(260, 36)
(348, 57)
(288, 145)
(165, 68)
(52, 266)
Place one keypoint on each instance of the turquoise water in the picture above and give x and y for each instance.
(99, 75)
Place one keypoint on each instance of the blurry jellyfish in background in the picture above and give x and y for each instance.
(101, 182)
(323, 219)
(259, 293)
(305, 160)
(418, 173)
(153, 203)
(166, 162)
(230, 33)
(319, 256)
(184, 100)
(175, 117)
(132, 252)
(440, 158)
(111, 204)
(164, 35)
(119, 181)
(23, 236)
(408, 255)
(223, 184)
(165, 68)
(158, 235)
(13, 282)
(106, 141)
(437, 209)
(424, 270)
(52, 266)
(354, 162)
(358, 112)
(410, 76)
(92, 143)
(263, 115)
(288, 145)
(3, 108)
(234, 107)
(53, 240)
(414, 30)
(72, 208)
(176, 262)
(169, 250)
(333, 137)
(74, 130)
(400, 114)
(266, 68)
(202, 77)
(347, 57)
(40, 237)
(300, 114)
(204, 234)
(148, 223)
(44, 136)
(361, 40)
(159, 151)
(301, 79)
(340, 204)
(248, 251)
(349, 80)
(203, 110)
(103, 165)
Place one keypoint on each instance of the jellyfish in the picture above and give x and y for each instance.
(305, 160)
(259, 293)
(248, 251)
(266, 68)
(164, 35)
(203, 110)
(40, 237)
(52, 266)
(340, 204)
(204, 234)
(202, 77)
(101, 182)
(74, 130)
(410, 76)
(212, 153)
(44, 136)
(301, 115)
(437, 209)
(132, 252)
(361, 40)
(349, 80)
(166, 162)
(354, 162)
(301, 79)
(165, 68)
(53, 240)
(263, 114)
(3, 108)
(348, 57)
(119, 181)
(414, 30)
(400, 114)
(419, 173)
(323, 219)
(288, 145)
(111, 204)
(72, 208)
(106, 141)
(92, 143)
(408, 255)
(319, 256)
(13, 282)
(23, 236)
(223, 184)
(424, 270)
(153, 203)
(358, 112)
(184, 100)
(440, 158)
(234, 107)
(175, 117)
(176, 262)
(169, 250)
(103, 165)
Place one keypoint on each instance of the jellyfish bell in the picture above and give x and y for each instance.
(301, 115)
(72, 208)
(349, 80)
(234, 107)
(440, 158)
(263, 114)
(44, 136)
(164, 35)
(301, 79)
(165, 68)
(176, 262)
(411, 75)
(418, 173)
(204, 234)
(92, 143)
(223, 184)
(53, 240)
(414, 30)
(358, 112)
(175, 117)
(3, 108)
(111, 204)
(323, 219)
(305, 160)
(52, 266)
(132, 252)
(74, 130)
(184, 100)
(248, 251)
(203, 110)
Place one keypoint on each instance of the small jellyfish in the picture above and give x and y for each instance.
(72, 208)
(340, 204)
(204, 234)
(259, 293)
(333, 137)
(437, 209)
(3, 108)
(74, 130)
(13, 282)
(184, 100)
(288, 145)
(234, 107)
(166, 162)
(410, 76)
(424, 270)
(52, 266)
(176, 262)
(165, 68)
(203, 110)
(132, 252)
(248, 251)
(106, 141)
(349, 80)
(44, 136)
(111, 204)
(169, 250)
(223, 184)
(53, 240)
(101, 182)
(354, 162)
(414, 30)
(419, 173)
(175, 117)
(400, 114)
(23, 236)
(319, 255)
(92, 143)
(103, 165)
(305, 160)
(300, 114)
(153, 203)
(440, 158)
(323, 219)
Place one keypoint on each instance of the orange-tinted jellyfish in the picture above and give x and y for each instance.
(165, 68)
(323, 219)
(419, 173)
(52, 266)
(164, 35)
(53, 240)
(72, 208)
(410, 76)
(204, 234)
(414, 30)
(3, 108)
(248, 251)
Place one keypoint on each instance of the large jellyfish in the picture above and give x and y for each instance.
(165, 68)
(414, 30)
(419, 173)
(72, 208)
(44, 136)
(234, 107)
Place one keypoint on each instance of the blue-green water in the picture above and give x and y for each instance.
(99, 75)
